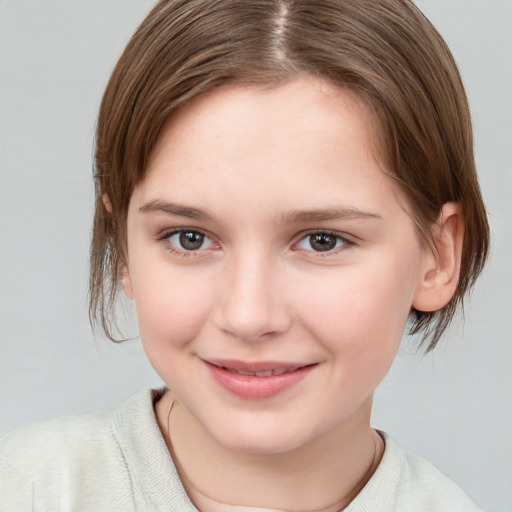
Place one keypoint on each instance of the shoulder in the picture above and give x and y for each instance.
(404, 482)
(66, 460)
(61, 438)
(422, 484)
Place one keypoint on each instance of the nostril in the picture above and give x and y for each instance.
(250, 306)
(253, 324)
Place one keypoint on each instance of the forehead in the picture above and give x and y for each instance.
(302, 137)
(299, 101)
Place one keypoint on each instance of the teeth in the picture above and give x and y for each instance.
(280, 372)
(242, 372)
(266, 373)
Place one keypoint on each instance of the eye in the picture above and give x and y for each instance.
(322, 241)
(188, 240)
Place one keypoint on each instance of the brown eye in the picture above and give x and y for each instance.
(323, 241)
(191, 240)
(185, 242)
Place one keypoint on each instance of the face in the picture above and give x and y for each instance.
(272, 263)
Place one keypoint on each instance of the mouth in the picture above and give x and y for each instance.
(257, 380)
(262, 369)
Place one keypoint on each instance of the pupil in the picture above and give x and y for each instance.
(190, 240)
(322, 242)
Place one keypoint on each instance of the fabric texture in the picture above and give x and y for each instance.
(118, 461)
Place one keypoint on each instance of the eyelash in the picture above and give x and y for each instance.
(172, 247)
(344, 240)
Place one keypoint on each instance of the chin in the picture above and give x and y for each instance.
(261, 440)
(262, 446)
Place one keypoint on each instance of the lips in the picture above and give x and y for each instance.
(262, 373)
(256, 381)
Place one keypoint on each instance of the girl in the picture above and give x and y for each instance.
(281, 186)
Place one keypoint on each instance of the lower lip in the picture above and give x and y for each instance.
(252, 387)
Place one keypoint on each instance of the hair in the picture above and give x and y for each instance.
(384, 50)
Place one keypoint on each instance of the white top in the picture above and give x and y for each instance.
(118, 462)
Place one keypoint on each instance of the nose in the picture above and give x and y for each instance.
(252, 302)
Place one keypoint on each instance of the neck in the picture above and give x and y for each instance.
(324, 475)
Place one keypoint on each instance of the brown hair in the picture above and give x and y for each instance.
(385, 50)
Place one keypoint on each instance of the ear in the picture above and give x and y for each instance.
(126, 281)
(106, 203)
(440, 268)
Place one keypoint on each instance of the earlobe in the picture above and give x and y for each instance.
(440, 268)
(127, 282)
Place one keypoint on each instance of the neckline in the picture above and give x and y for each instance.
(155, 480)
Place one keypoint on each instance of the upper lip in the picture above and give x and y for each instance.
(257, 366)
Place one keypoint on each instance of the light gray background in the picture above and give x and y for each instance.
(454, 407)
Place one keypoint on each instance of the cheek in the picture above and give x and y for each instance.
(171, 307)
(360, 313)
(360, 327)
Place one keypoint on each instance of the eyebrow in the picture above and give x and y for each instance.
(297, 216)
(190, 212)
(292, 217)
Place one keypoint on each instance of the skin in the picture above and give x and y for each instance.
(251, 160)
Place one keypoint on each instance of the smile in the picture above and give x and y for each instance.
(264, 373)
(257, 381)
